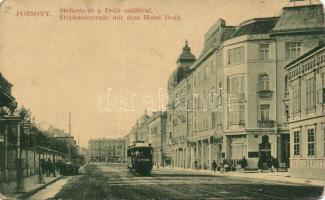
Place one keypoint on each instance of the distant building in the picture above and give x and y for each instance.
(56, 132)
(305, 79)
(107, 150)
(140, 131)
(157, 138)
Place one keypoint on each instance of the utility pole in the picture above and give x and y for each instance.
(69, 122)
(69, 148)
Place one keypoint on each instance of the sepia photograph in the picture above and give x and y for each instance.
(162, 99)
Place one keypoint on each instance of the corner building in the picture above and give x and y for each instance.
(236, 90)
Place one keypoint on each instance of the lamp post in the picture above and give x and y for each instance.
(53, 148)
(20, 187)
(40, 178)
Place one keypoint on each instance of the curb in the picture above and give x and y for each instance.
(276, 180)
(30, 193)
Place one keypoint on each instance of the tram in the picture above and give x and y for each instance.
(140, 158)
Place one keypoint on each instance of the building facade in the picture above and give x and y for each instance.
(157, 138)
(306, 95)
(234, 92)
(206, 95)
(179, 116)
(107, 150)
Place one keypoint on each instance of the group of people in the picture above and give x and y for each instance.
(48, 167)
(62, 167)
(223, 165)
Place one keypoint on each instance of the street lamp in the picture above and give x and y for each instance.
(40, 178)
(20, 187)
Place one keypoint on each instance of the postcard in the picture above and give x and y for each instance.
(151, 99)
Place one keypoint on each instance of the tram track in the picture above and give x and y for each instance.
(104, 181)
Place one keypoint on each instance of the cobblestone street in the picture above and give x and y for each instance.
(113, 181)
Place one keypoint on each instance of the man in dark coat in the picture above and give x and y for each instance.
(214, 165)
(48, 167)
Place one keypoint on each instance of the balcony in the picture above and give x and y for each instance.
(265, 123)
(265, 93)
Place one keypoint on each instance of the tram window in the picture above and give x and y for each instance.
(143, 151)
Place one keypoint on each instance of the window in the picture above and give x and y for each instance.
(311, 142)
(265, 112)
(236, 114)
(292, 50)
(310, 93)
(236, 84)
(205, 73)
(200, 76)
(324, 142)
(236, 55)
(213, 119)
(219, 116)
(264, 82)
(286, 108)
(220, 59)
(296, 143)
(323, 89)
(264, 52)
(213, 99)
(296, 98)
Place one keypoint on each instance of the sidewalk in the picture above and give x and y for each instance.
(283, 177)
(31, 187)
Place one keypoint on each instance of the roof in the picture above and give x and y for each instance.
(297, 18)
(255, 26)
(183, 70)
(186, 55)
(221, 34)
(320, 46)
(4, 80)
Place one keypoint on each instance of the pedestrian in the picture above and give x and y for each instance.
(53, 167)
(225, 166)
(214, 165)
(195, 166)
(243, 163)
(48, 166)
(221, 167)
(43, 167)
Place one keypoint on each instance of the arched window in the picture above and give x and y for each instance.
(264, 82)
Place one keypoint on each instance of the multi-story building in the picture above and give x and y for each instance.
(179, 116)
(306, 94)
(243, 67)
(107, 150)
(207, 79)
(157, 138)
(298, 30)
(249, 122)
(142, 128)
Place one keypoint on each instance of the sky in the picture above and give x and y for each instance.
(58, 66)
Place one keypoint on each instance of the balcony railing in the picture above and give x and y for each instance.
(265, 123)
(265, 93)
